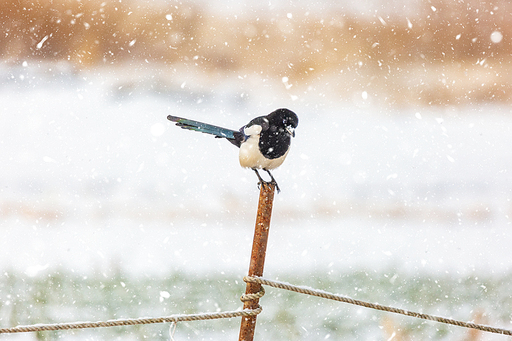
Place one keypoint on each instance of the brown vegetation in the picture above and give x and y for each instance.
(443, 54)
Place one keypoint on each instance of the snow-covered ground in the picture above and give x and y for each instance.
(93, 175)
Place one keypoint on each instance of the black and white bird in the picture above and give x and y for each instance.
(264, 142)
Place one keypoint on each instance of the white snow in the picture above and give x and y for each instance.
(40, 44)
(496, 37)
(95, 178)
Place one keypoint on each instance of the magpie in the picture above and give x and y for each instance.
(264, 142)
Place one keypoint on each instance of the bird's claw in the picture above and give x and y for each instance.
(264, 183)
(268, 183)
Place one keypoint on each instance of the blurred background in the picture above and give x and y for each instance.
(396, 190)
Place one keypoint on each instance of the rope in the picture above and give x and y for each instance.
(131, 322)
(327, 295)
(250, 312)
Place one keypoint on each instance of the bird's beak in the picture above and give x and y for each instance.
(291, 131)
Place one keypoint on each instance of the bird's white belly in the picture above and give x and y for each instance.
(251, 157)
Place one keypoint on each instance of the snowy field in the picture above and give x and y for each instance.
(96, 180)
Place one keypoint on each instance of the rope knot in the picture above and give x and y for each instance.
(255, 296)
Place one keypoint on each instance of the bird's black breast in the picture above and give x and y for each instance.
(274, 142)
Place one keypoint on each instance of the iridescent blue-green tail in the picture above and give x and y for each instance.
(233, 136)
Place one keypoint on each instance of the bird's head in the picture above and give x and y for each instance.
(285, 119)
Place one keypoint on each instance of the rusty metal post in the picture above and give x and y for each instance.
(259, 249)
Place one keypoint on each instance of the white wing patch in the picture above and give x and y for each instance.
(252, 130)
